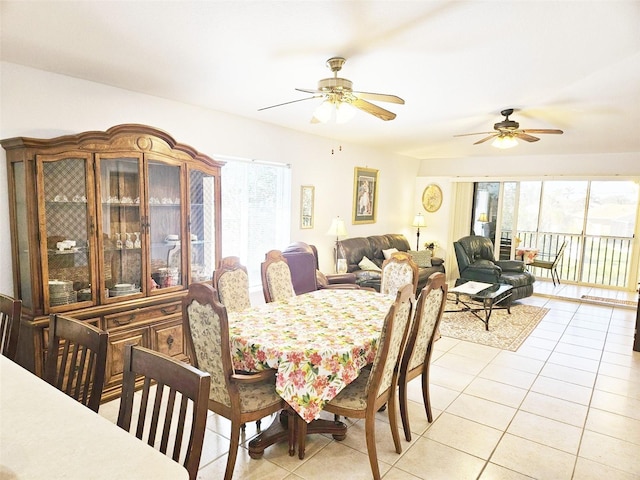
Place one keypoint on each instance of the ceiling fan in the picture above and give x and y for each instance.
(507, 131)
(339, 97)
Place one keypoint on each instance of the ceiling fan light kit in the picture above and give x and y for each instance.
(504, 141)
(507, 132)
(339, 100)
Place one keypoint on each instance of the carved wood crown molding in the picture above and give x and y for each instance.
(128, 136)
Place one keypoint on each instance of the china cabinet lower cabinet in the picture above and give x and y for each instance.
(110, 227)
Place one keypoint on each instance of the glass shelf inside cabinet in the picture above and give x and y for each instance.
(69, 262)
(121, 226)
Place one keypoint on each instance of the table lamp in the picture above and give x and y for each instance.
(418, 221)
(337, 229)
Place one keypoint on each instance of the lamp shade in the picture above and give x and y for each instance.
(483, 218)
(337, 228)
(419, 221)
(504, 141)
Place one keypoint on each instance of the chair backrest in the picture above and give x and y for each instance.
(472, 248)
(10, 311)
(303, 265)
(398, 270)
(559, 254)
(174, 419)
(206, 330)
(392, 340)
(276, 277)
(231, 280)
(79, 371)
(425, 322)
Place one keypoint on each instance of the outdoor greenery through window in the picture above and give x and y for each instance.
(596, 219)
(256, 211)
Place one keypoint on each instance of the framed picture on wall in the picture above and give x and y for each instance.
(365, 195)
(306, 206)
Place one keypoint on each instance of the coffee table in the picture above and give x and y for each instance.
(482, 297)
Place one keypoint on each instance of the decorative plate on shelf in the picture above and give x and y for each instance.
(432, 198)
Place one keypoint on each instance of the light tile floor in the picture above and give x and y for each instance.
(566, 405)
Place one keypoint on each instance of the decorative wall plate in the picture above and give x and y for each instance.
(432, 198)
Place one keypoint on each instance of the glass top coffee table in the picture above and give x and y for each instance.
(482, 297)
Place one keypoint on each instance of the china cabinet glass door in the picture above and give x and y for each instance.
(165, 224)
(67, 236)
(120, 193)
(202, 224)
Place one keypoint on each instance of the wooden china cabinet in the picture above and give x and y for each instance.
(110, 228)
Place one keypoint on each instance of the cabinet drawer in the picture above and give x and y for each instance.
(168, 338)
(141, 315)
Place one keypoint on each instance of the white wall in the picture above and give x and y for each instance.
(40, 104)
(35, 103)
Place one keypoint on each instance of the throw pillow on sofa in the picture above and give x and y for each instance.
(366, 264)
(421, 257)
(387, 253)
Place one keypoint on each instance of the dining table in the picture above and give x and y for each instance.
(317, 342)
(46, 434)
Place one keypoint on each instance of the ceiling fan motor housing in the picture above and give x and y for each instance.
(335, 84)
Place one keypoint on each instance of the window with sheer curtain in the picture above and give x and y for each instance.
(256, 211)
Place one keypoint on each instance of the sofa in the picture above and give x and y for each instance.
(354, 250)
(476, 261)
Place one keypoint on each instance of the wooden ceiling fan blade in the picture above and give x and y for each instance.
(493, 135)
(287, 103)
(543, 130)
(477, 133)
(526, 137)
(375, 110)
(380, 97)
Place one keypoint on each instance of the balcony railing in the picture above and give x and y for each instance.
(587, 259)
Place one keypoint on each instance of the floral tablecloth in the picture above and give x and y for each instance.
(318, 342)
(527, 254)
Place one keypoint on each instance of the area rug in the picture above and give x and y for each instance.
(506, 331)
(616, 301)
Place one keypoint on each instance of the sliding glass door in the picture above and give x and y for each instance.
(596, 220)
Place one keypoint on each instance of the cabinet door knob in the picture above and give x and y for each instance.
(170, 340)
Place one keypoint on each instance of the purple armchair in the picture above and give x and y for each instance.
(303, 263)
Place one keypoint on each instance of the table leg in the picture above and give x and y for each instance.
(288, 428)
(277, 432)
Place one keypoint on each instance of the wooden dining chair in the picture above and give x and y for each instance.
(374, 387)
(78, 370)
(239, 398)
(10, 311)
(174, 419)
(231, 280)
(398, 270)
(276, 277)
(417, 353)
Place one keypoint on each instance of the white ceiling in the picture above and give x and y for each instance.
(571, 65)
